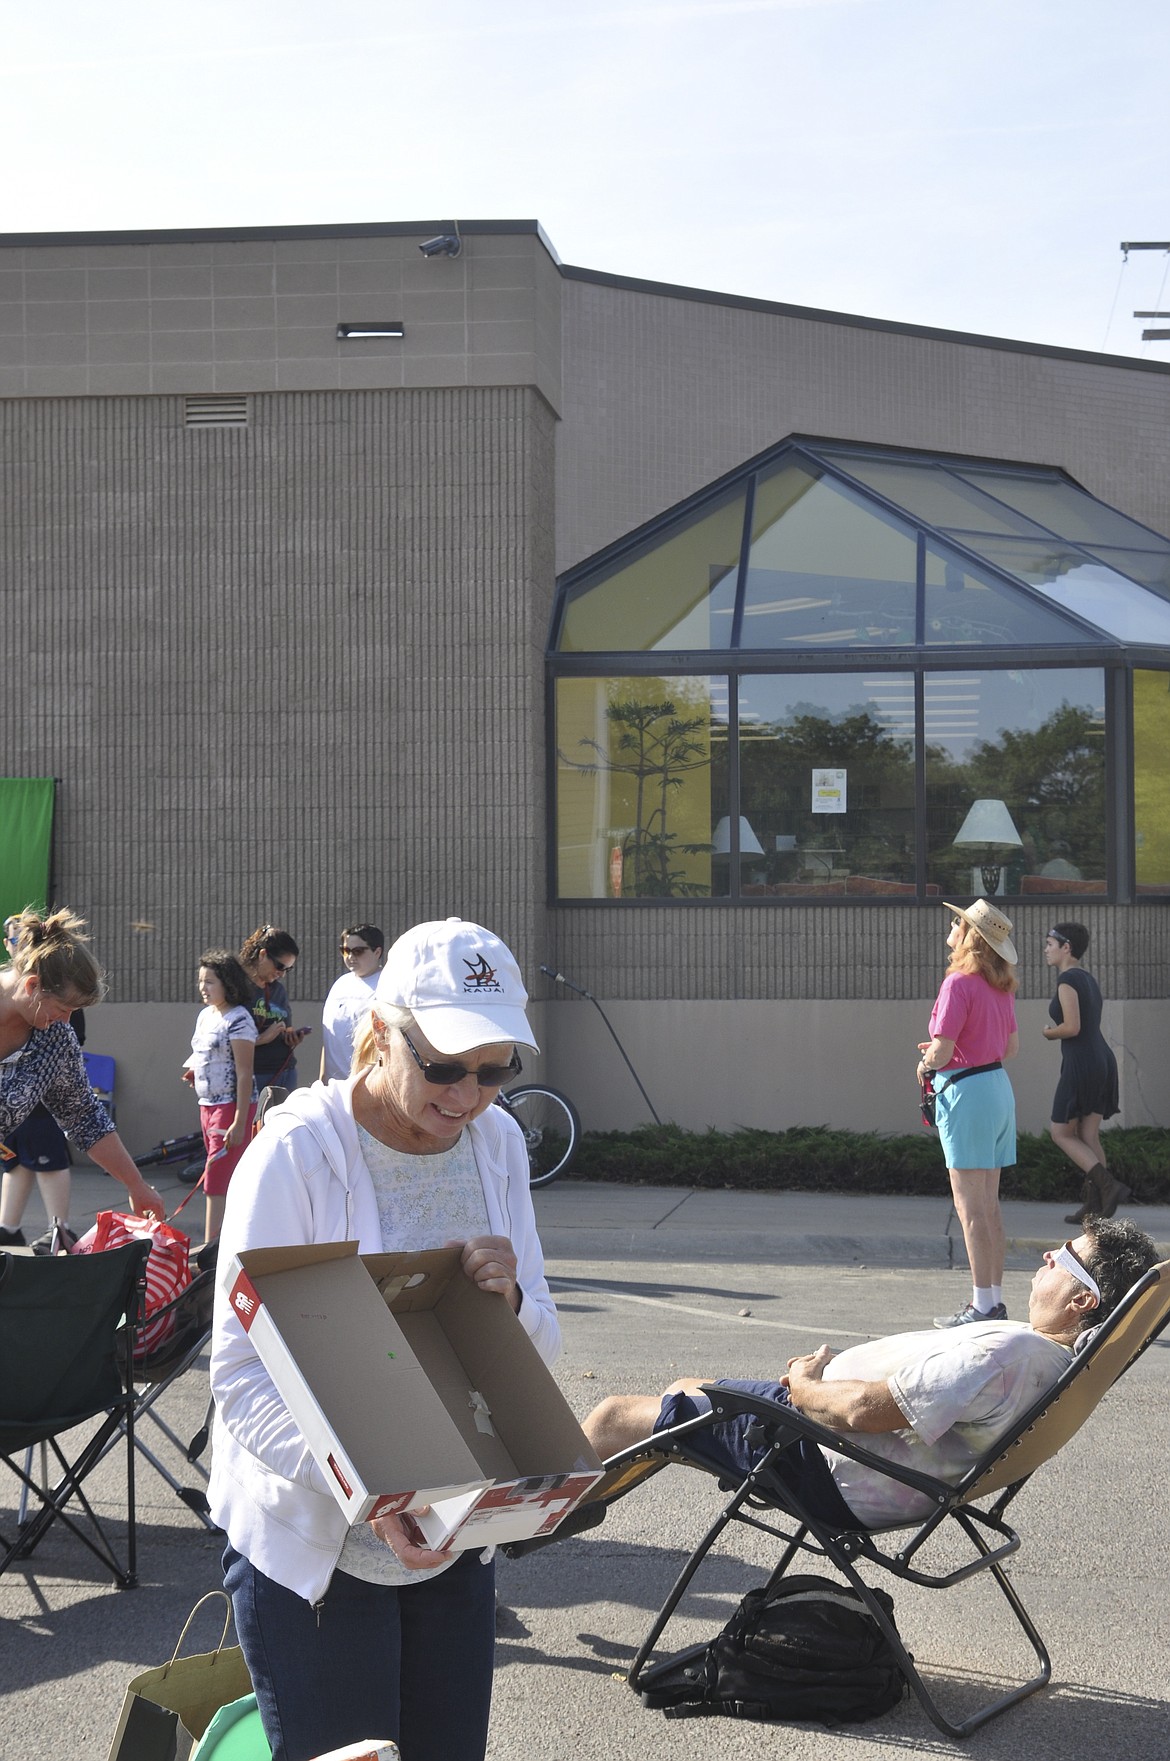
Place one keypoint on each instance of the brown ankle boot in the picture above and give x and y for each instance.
(1087, 1197)
(1109, 1193)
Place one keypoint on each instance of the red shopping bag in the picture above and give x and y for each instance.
(168, 1266)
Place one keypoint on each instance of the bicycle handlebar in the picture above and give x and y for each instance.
(170, 1149)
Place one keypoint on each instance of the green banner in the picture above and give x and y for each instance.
(26, 841)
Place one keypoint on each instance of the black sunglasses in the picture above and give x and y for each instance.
(447, 1075)
(360, 949)
(280, 965)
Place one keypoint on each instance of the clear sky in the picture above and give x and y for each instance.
(969, 166)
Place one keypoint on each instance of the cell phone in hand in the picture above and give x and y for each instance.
(300, 1032)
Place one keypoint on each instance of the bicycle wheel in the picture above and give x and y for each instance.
(551, 1130)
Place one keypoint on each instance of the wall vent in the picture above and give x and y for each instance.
(216, 412)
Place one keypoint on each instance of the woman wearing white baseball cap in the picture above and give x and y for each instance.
(348, 1631)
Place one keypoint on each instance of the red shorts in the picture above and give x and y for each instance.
(216, 1123)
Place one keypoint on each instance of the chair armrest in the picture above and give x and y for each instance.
(787, 1422)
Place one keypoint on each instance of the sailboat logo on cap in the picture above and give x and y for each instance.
(480, 976)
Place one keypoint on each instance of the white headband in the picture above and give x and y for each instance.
(1068, 1262)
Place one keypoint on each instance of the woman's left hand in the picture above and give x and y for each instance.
(394, 1532)
(489, 1261)
(145, 1201)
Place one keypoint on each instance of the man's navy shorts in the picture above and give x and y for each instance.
(726, 1448)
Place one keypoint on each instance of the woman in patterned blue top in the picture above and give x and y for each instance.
(53, 972)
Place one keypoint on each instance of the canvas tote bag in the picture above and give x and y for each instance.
(166, 1709)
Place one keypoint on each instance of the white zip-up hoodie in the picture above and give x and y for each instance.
(303, 1180)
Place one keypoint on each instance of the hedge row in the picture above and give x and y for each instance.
(818, 1158)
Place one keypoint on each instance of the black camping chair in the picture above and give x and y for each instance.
(67, 1356)
(765, 1502)
(158, 1370)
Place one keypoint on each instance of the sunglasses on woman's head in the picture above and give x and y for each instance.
(447, 1075)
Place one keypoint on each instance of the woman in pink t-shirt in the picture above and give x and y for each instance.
(973, 1029)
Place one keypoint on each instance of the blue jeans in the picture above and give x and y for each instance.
(370, 1660)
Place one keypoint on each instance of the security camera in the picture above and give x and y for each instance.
(448, 244)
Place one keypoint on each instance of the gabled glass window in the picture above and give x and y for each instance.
(824, 568)
(678, 592)
(969, 606)
(1080, 584)
(876, 674)
(1060, 506)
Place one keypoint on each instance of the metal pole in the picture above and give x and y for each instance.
(559, 978)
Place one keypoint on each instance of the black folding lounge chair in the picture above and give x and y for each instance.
(764, 1502)
(67, 1357)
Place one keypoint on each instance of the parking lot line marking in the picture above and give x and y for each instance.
(686, 1308)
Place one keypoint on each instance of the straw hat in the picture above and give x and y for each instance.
(993, 926)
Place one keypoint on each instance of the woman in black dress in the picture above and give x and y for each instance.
(1087, 1091)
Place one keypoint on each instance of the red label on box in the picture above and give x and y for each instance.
(391, 1503)
(546, 1489)
(244, 1301)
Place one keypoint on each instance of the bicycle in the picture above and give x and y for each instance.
(548, 1119)
(188, 1149)
(551, 1127)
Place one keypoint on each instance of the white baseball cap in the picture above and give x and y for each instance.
(461, 984)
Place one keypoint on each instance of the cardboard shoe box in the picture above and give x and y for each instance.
(417, 1392)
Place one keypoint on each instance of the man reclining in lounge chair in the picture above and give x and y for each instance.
(932, 1401)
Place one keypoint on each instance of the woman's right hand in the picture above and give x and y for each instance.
(394, 1532)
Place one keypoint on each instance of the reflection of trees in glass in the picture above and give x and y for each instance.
(1053, 781)
(655, 747)
(777, 760)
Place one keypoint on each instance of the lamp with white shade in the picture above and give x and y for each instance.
(989, 825)
(749, 844)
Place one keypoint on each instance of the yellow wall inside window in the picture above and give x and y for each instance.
(597, 808)
(1151, 778)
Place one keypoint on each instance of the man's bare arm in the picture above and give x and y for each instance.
(841, 1406)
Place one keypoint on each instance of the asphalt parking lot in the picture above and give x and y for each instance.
(650, 1285)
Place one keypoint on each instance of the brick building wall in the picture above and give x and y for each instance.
(291, 671)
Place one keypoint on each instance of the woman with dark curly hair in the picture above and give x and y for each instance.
(1087, 1092)
(53, 972)
(973, 1029)
(268, 956)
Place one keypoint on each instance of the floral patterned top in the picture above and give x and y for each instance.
(48, 1069)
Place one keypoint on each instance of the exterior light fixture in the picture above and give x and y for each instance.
(989, 825)
(371, 327)
(448, 244)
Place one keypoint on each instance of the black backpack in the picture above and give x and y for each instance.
(810, 1652)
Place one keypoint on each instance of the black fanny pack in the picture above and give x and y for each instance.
(928, 1094)
(972, 1070)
